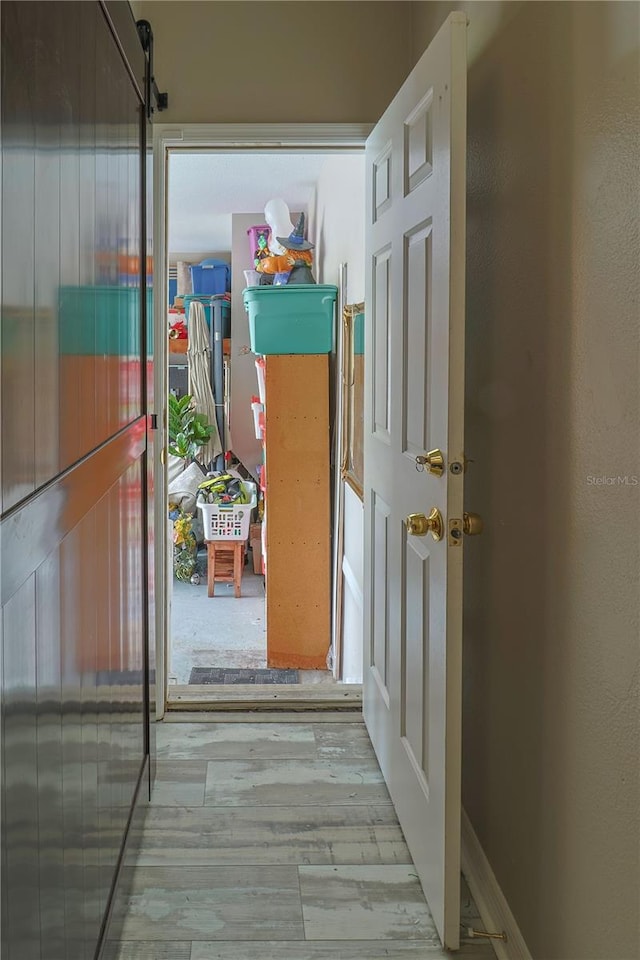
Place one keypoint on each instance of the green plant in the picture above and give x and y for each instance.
(188, 430)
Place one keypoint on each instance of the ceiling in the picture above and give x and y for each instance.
(206, 188)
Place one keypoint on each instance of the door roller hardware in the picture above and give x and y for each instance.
(471, 525)
(145, 34)
(419, 526)
(433, 461)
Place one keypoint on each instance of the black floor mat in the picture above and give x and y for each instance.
(229, 675)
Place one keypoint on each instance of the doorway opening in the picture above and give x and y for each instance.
(412, 597)
(217, 628)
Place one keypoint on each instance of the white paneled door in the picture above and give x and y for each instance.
(414, 405)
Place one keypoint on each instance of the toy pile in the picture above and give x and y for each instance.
(185, 548)
(222, 488)
(178, 330)
(289, 258)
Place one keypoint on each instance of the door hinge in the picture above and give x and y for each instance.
(153, 421)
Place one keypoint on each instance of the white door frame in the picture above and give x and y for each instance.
(215, 136)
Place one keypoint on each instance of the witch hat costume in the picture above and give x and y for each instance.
(294, 244)
(296, 240)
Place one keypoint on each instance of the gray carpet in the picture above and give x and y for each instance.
(231, 675)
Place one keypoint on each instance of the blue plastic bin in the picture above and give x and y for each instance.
(294, 318)
(210, 277)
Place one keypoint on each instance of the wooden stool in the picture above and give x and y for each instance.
(225, 563)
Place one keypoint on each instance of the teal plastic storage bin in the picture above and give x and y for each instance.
(294, 318)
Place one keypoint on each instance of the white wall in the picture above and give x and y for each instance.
(352, 585)
(337, 221)
(188, 257)
(244, 382)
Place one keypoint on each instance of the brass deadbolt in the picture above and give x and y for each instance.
(433, 461)
(419, 526)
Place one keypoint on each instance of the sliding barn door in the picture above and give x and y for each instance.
(74, 476)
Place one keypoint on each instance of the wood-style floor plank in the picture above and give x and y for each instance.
(180, 784)
(293, 783)
(132, 950)
(334, 950)
(346, 740)
(358, 902)
(216, 903)
(242, 741)
(294, 835)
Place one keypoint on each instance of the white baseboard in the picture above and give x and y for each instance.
(489, 898)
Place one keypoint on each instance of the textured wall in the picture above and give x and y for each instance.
(352, 586)
(244, 382)
(551, 743)
(338, 229)
(338, 223)
(231, 62)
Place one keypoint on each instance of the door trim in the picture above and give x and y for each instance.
(489, 898)
(216, 136)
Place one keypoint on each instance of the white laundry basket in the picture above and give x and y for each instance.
(229, 521)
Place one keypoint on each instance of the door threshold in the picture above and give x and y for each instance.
(265, 696)
(253, 713)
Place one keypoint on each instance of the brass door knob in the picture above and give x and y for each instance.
(472, 524)
(419, 526)
(433, 461)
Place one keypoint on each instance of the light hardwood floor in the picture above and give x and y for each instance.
(274, 841)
